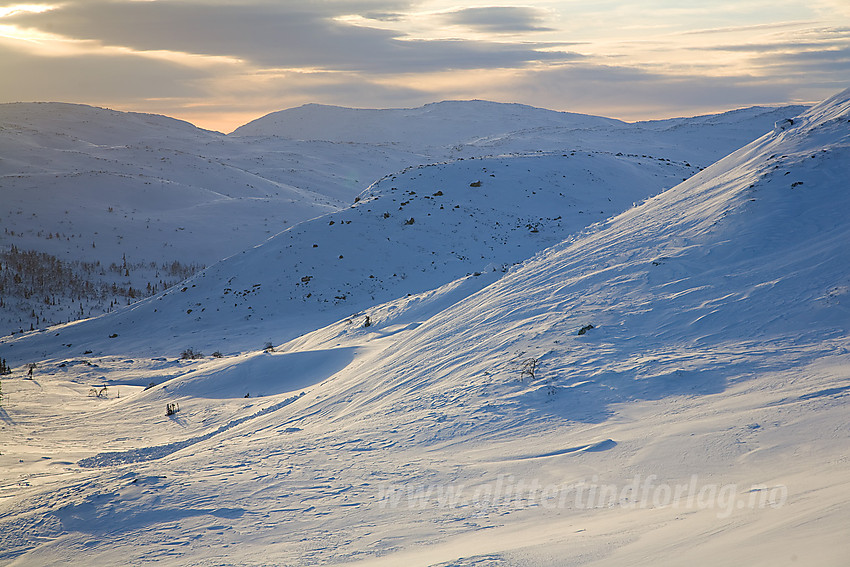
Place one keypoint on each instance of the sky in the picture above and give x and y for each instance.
(220, 64)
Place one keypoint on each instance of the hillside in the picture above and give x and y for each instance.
(130, 204)
(701, 420)
(700, 140)
(408, 233)
(124, 205)
(438, 125)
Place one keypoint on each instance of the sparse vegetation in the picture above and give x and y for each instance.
(585, 329)
(528, 367)
(4, 367)
(191, 354)
(268, 347)
(47, 290)
(101, 391)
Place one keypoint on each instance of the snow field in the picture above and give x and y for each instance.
(715, 367)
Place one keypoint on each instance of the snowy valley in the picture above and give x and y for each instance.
(103, 208)
(468, 334)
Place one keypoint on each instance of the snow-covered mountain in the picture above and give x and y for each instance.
(453, 129)
(407, 234)
(731, 271)
(125, 204)
(439, 125)
(666, 386)
(700, 140)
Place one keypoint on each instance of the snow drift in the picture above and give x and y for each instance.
(686, 403)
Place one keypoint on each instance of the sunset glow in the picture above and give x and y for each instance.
(219, 65)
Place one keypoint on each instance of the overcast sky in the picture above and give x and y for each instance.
(220, 64)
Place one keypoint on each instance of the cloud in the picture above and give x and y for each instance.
(760, 48)
(204, 59)
(631, 93)
(809, 38)
(809, 54)
(92, 78)
(806, 65)
(749, 28)
(280, 35)
(833, 8)
(499, 19)
(235, 99)
(384, 16)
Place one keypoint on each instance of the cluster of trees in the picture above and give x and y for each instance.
(41, 284)
(27, 273)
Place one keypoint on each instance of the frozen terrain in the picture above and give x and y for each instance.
(125, 205)
(573, 380)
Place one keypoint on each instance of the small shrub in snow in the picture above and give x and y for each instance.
(528, 368)
(585, 329)
(217, 354)
(191, 354)
(172, 408)
(268, 347)
(99, 391)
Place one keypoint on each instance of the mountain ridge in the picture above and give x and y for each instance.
(85, 185)
(665, 385)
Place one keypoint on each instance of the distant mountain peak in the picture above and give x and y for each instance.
(433, 124)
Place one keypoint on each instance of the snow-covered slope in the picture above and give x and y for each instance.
(701, 140)
(77, 125)
(749, 252)
(717, 358)
(700, 421)
(474, 128)
(127, 204)
(437, 125)
(97, 176)
(409, 233)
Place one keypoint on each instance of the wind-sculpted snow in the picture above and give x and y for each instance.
(679, 290)
(127, 204)
(663, 385)
(122, 197)
(113, 458)
(408, 233)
